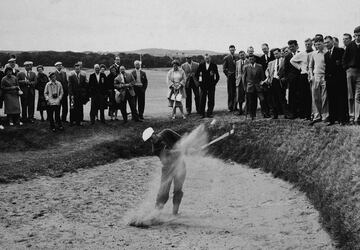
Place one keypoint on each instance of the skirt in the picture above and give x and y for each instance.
(12, 103)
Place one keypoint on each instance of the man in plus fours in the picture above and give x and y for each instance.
(141, 83)
(351, 62)
(229, 68)
(61, 77)
(78, 92)
(27, 81)
(336, 86)
(208, 76)
(191, 85)
(98, 93)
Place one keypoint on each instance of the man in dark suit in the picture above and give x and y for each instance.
(191, 85)
(240, 91)
(253, 79)
(351, 62)
(267, 57)
(98, 93)
(208, 76)
(229, 68)
(27, 82)
(61, 77)
(292, 75)
(79, 95)
(141, 83)
(278, 102)
(124, 83)
(336, 86)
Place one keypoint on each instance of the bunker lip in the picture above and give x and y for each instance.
(87, 208)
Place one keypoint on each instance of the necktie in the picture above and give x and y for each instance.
(277, 66)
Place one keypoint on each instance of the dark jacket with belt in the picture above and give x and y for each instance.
(229, 65)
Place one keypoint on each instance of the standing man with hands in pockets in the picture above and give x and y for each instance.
(229, 68)
(208, 76)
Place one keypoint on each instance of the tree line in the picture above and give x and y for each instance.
(69, 58)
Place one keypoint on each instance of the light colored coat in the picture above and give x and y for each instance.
(239, 73)
(171, 80)
(270, 70)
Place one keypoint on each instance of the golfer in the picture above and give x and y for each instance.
(173, 169)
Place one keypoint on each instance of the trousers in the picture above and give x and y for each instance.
(192, 88)
(140, 100)
(353, 86)
(51, 110)
(174, 172)
(231, 91)
(319, 97)
(28, 103)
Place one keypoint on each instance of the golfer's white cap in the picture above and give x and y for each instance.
(147, 133)
(58, 63)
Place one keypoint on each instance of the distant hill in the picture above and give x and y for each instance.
(170, 52)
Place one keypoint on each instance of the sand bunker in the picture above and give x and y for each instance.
(225, 206)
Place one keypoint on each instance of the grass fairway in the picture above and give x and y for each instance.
(322, 161)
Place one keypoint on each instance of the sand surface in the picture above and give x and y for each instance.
(225, 206)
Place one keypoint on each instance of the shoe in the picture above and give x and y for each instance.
(61, 128)
(20, 123)
(42, 120)
(184, 117)
(327, 120)
(71, 124)
(141, 117)
(173, 117)
(357, 122)
(125, 121)
(266, 116)
(314, 121)
(330, 124)
(139, 120)
(1, 127)
(210, 116)
(11, 124)
(275, 117)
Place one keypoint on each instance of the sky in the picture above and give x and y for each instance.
(124, 25)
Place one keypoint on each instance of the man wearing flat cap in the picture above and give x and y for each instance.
(27, 81)
(191, 85)
(61, 77)
(79, 95)
(12, 64)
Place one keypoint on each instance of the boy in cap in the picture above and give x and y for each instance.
(53, 94)
(27, 81)
(173, 169)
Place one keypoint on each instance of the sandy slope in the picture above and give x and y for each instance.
(225, 206)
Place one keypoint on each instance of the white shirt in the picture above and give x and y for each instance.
(301, 61)
(277, 64)
(207, 65)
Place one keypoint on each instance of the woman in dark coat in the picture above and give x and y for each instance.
(41, 81)
(113, 106)
(11, 92)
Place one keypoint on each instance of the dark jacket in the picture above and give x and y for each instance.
(143, 77)
(351, 58)
(253, 77)
(79, 88)
(264, 62)
(62, 78)
(210, 76)
(229, 65)
(97, 88)
(290, 72)
(165, 141)
(333, 64)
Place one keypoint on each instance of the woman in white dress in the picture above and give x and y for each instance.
(176, 83)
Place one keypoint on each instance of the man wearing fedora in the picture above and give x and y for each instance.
(27, 81)
(61, 77)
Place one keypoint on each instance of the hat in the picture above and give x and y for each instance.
(102, 66)
(8, 69)
(28, 63)
(40, 66)
(51, 73)
(76, 64)
(58, 63)
(175, 62)
(11, 60)
(147, 133)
